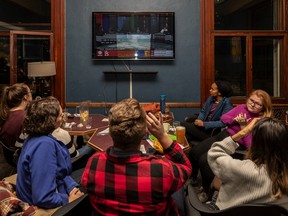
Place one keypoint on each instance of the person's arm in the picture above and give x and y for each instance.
(205, 109)
(155, 127)
(228, 118)
(181, 168)
(245, 131)
(20, 140)
(63, 136)
(219, 159)
(220, 110)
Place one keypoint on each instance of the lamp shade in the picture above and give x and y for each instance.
(41, 69)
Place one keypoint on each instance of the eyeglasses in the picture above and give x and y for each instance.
(256, 104)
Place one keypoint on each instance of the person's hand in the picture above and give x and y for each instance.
(250, 126)
(155, 127)
(199, 123)
(246, 130)
(242, 120)
(74, 194)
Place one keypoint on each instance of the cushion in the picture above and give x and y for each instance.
(10, 204)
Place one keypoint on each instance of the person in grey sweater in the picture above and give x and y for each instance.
(263, 176)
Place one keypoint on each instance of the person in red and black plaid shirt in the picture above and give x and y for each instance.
(123, 180)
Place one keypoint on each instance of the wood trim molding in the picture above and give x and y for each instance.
(109, 104)
(58, 28)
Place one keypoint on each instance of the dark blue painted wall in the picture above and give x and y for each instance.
(178, 79)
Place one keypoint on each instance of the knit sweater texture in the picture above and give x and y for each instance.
(242, 180)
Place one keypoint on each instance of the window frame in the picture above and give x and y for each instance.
(207, 58)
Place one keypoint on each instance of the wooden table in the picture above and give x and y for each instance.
(102, 142)
(97, 123)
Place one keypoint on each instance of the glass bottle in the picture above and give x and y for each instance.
(162, 103)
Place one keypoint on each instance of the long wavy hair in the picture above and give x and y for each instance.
(266, 101)
(12, 96)
(269, 149)
(127, 123)
(41, 117)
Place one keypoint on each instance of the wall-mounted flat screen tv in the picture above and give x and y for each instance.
(133, 36)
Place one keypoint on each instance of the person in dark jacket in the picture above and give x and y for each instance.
(199, 128)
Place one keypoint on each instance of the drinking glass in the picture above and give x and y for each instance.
(77, 111)
(175, 124)
(180, 134)
(89, 123)
(84, 112)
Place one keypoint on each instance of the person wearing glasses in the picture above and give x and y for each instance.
(258, 105)
(44, 165)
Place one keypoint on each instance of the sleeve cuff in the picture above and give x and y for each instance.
(171, 147)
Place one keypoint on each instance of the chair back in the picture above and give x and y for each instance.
(195, 208)
(10, 154)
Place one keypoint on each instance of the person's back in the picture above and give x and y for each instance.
(133, 183)
(12, 113)
(12, 128)
(123, 180)
(42, 175)
(262, 176)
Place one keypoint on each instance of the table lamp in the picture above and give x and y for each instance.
(40, 71)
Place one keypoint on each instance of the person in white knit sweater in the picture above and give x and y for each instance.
(263, 176)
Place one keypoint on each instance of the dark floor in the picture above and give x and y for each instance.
(5, 169)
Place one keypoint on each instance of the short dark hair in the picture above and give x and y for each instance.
(224, 88)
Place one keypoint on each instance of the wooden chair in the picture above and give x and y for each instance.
(196, 208)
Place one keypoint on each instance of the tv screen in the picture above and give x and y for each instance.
(133, 36)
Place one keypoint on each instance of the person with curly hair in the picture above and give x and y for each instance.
(44, 166)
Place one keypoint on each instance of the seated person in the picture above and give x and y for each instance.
(218, 103)
(258, 105)
(44, 166)
(63, 136)
(123, 180)
(262, 176)
(13, 105)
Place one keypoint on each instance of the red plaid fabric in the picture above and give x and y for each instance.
(124, 183)
(10, 204)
